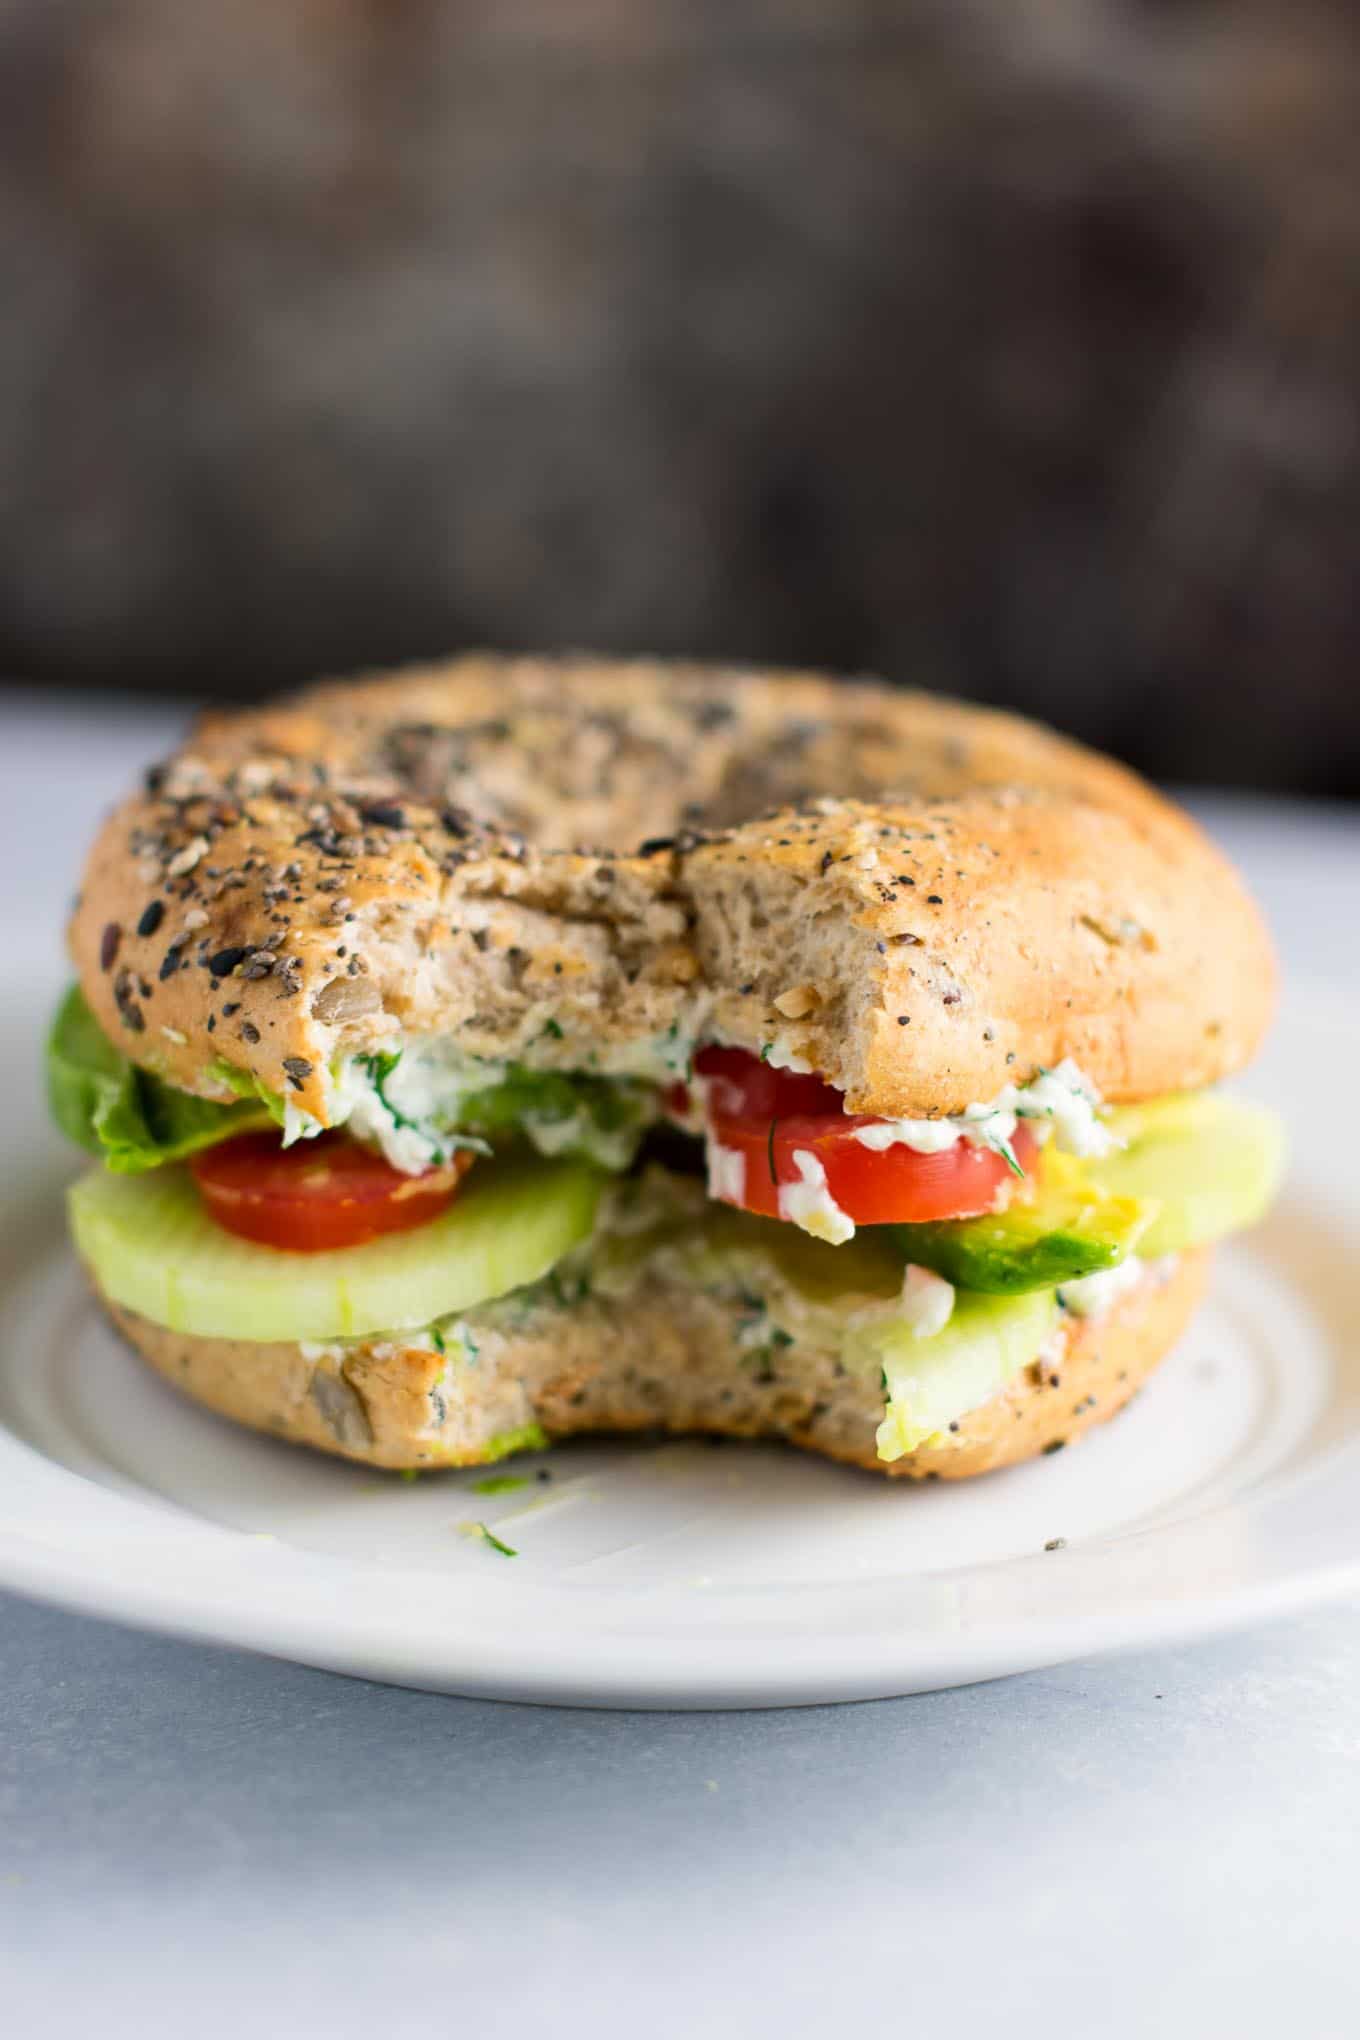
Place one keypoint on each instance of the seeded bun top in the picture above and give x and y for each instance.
(581, 863)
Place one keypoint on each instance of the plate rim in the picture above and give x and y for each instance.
(492, 1666)
(258, 1593)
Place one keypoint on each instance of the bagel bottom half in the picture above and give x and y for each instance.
(530, 1369)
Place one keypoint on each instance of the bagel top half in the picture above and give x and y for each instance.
(569, 861)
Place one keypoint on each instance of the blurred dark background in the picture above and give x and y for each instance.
(1010, 346)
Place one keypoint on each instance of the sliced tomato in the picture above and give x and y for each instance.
(768, 1116)
(742, 1084)
(738, 1084)
(891, 1186)
(322, 1193)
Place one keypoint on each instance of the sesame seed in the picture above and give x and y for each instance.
(184, 860)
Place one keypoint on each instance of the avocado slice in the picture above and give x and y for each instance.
(1190, 1170)
(1069, 1225)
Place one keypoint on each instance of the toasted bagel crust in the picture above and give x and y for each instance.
(552, 860)
(666, 1357)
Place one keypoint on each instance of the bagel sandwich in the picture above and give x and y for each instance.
(483, 1053)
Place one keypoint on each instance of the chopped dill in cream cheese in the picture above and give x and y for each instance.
(1062, 1101)
(424, 1100)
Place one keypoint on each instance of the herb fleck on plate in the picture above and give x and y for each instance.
(488, 1536)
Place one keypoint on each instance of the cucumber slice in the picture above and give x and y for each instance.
(1211, 1164)
(154, 1249)
(932, 1382)
(1069, 1227)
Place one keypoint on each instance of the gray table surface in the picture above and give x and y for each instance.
(193, 1840)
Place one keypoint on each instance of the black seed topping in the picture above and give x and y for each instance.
(249, 1032)
(385, 815)
(933, 900)
(654, 845)
(904, 1019)
(132, 1016)
(108, 945)
(152, 918)
(232, 1007)
(171, 961)
(224, 963)
(297, 1067)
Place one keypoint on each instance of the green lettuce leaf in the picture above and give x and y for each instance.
(603, 1118)
(130, 1119)
(245, 1086)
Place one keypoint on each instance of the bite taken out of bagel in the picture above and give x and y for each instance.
(565, 863)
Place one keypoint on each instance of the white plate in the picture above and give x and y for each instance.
(685, 1575)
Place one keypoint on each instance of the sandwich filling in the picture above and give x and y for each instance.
(937, 1253)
